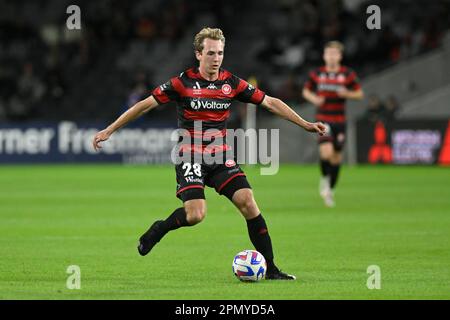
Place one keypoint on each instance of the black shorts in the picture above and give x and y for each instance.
(192, 177)
(336, 134)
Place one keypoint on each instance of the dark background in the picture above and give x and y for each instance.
(126, 48)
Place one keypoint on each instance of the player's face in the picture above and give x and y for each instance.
(332, 56)
(211, 56)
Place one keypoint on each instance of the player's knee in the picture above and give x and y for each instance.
(337, 159)
(195, 214)
(326, 151)
(326, 156)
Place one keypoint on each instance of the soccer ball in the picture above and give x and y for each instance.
(249, 265)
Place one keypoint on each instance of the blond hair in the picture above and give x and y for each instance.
(207, 33)
(335, 44)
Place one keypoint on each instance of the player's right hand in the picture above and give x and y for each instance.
(319, 101)
(99, 137)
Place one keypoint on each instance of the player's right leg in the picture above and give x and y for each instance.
(190, 190)
(192, 212)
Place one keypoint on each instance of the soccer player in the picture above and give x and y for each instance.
(328, 88)
(204, 94)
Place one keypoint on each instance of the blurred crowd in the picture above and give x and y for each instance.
(381, 110)
(125, 48)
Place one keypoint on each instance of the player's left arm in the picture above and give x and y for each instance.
(282, 110)
(353, 88)
(351, 94)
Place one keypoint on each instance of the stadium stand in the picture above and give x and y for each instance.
(49, 72)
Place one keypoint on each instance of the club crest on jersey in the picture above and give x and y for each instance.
(230, 163)
(226, 88)
(341, 78)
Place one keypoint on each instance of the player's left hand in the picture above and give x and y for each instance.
(318, 127)
(343, 92)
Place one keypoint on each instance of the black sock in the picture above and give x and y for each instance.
(334, 173)
(325, 167)
(176, 220)
(259, 235)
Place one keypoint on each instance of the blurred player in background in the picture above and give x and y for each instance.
(328, 88)
(204, 94)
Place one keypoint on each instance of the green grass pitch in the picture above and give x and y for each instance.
(397, 218)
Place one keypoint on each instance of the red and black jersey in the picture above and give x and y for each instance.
(207, 101)
(327, 84)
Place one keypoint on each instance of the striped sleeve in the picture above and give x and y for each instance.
(353, 81)
(246, 92)
(166, 92)
(311, 83)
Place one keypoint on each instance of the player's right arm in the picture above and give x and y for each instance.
(312, 97)
(131, 114)
(309, 90)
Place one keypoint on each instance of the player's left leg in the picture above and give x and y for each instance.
(232, 183)
(336, 156)
(257, 230)
(335, 165)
